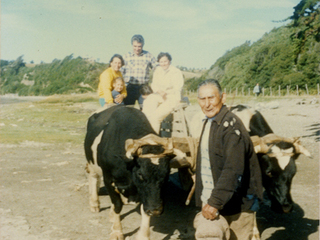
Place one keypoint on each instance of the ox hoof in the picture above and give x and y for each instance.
(141, 237)
(116, 236)
(95, 209)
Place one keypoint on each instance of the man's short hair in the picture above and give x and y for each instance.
(137, 38)
(213, 82)
(162, 54)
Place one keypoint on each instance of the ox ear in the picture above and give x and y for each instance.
(131, 148)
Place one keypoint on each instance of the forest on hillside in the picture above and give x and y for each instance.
(287, 56)
(70, 75)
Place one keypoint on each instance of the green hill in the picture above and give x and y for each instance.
(286, 56)
(70, 75)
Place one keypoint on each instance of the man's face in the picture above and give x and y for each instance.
(210, 100)
(137, 47)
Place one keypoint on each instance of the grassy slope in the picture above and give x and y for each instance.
(55, 120)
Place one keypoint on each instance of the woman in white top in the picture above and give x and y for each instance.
(167, 83)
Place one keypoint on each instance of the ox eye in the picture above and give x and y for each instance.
(140, 176)
(269, 174)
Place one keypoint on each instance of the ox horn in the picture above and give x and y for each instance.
(301, 149)
(259, 144)
(271, 138)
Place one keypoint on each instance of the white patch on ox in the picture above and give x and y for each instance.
(196, 124)
(283, 155)
(116, 228)
(144, 231)
(245, 116)
(94, 176)
(94, 147)
(155, 161)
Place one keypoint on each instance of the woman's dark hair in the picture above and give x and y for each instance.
(145, 89)
(162, 54)
(117, 56)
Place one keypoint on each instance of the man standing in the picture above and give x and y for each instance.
(228, 177)
(257, 90)
(136, 70)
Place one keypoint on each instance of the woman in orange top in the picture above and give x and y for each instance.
(106, 82)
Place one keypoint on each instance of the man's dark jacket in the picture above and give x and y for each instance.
(234, 165)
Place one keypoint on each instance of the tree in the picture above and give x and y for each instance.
(306, 21)
(305, 8)
(17, 64)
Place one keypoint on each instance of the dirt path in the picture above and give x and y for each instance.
(44, 191)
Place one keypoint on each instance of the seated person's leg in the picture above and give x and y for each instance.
(161, 113)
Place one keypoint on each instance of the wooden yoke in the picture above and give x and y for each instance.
(133, 146)
(184, 148)
(189, 146)
(263, 144)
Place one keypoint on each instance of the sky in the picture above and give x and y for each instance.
(195, 32)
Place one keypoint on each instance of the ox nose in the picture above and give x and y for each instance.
(155, 212)
(287, 208)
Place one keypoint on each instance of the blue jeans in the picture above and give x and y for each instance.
(102, 101)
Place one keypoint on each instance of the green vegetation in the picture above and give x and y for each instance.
(57, 119)
(70, 75)
(287, 56)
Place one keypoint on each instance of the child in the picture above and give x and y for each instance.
(118, 85)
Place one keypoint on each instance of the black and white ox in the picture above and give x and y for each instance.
(135, 170)
(276, 155)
